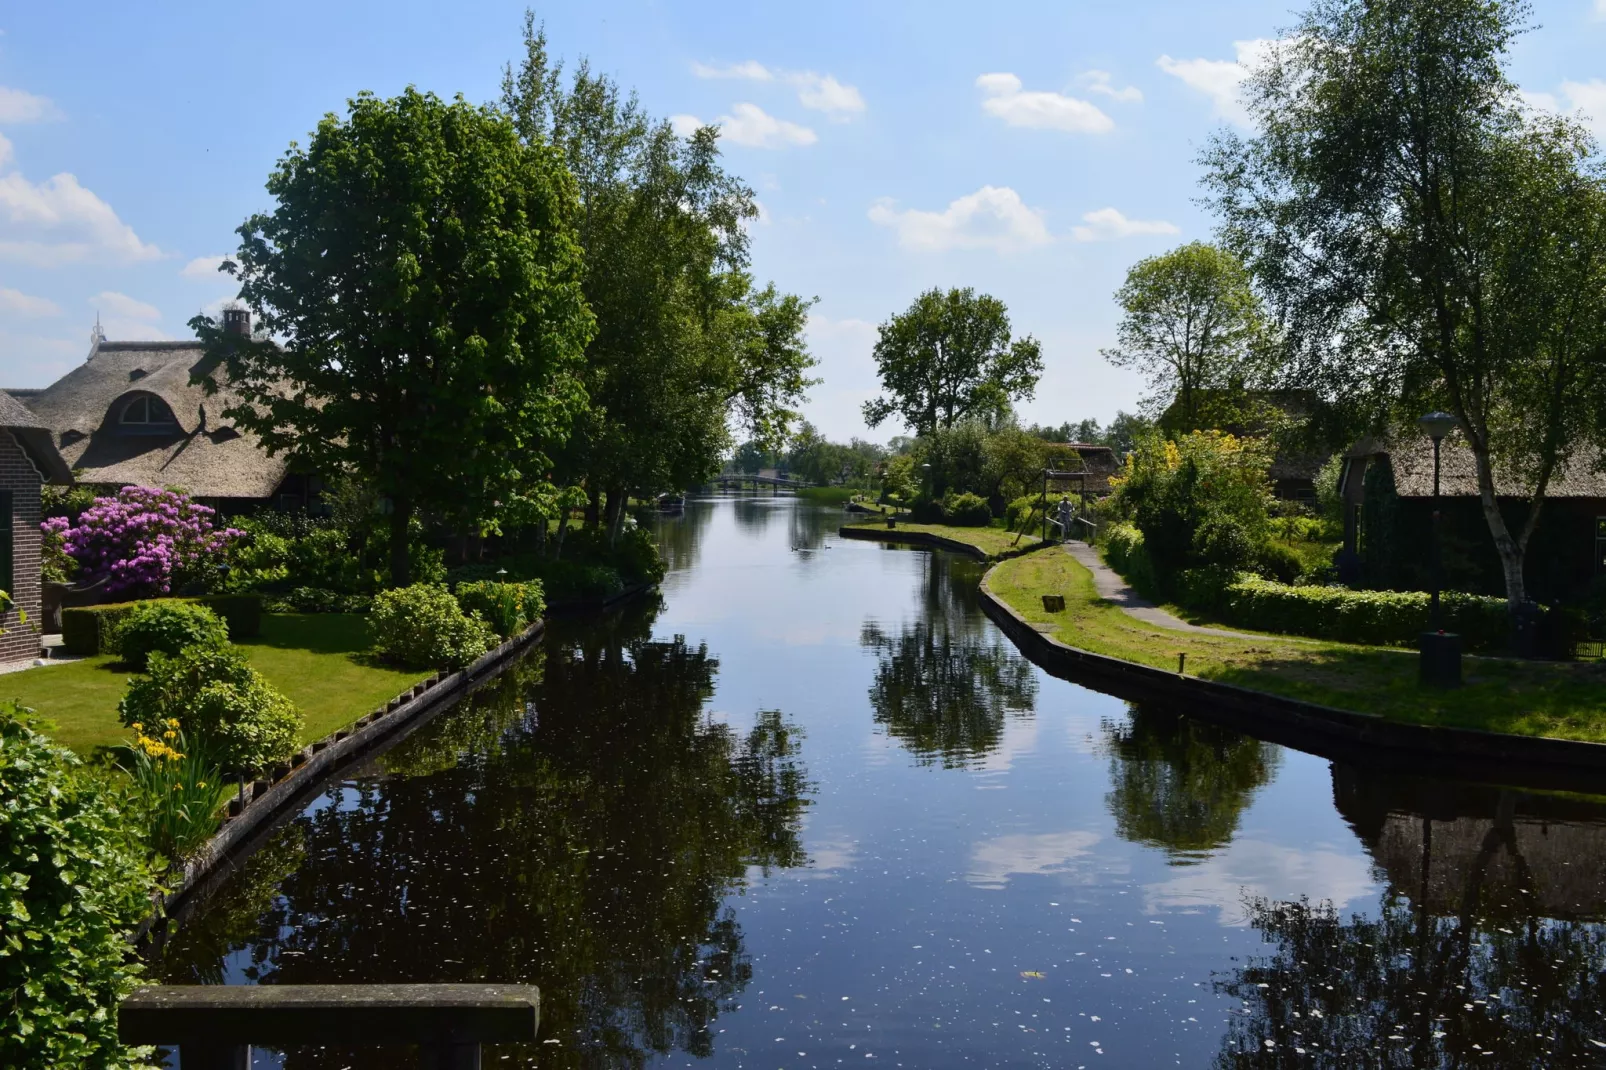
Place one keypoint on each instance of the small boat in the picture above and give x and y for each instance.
(671, 503)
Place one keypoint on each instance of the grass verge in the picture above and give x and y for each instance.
(829, 494)
(319, 660)
(1561, 700)
(990, 541)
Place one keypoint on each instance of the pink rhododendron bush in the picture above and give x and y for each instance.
(144, 542)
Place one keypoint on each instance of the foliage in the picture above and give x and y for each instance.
(1032, 506)
(967, 510)
(508, 608)
(65, 501)
(436, 221)
(177, 781)
(686, 345)
(814, 458)
(949, 357)
(281, 552)
(1125, 551)
(142, 542)
(169, 627)
(73, 886)
(424, 627)
(1328, 499)
(899, 479)
(1189, 322)
(1429, 241)
(215, 694)
(1199, 501)
(1278, 562)
(55, 563)
(1381, 618)
(1121, 435)
(90, 630)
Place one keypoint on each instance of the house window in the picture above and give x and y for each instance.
(146, 414)
(1600, 546)
(7, 547)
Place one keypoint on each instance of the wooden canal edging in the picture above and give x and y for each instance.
(1365, 739)
(214, 1027)
(867, 533)
(266, 800)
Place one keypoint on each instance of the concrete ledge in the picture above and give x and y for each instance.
(921, 538)
(1361, 738)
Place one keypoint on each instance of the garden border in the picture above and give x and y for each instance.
(922, 538)
(1326, 731)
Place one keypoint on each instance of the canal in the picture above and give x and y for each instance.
(810, 809)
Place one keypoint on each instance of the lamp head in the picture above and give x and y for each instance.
(1437, 424)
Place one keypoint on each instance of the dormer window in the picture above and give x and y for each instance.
(146, 414)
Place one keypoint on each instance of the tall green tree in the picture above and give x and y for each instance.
(950, 356)
(1190, 322)
(418, 290)
(1426, 241)
(686, 343)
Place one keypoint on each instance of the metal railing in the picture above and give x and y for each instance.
(214, 1027)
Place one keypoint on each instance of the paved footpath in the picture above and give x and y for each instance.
(1112, 588)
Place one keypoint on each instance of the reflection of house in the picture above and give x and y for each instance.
(28, 459)
(1387, 487)
(137, 413)
(1260, 414)
(1480, 849)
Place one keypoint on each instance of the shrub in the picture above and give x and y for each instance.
(146, 541)
(1125, 552)
(168, 627)
(241, 612)
(74, 884)
(215, 694)
(424, 627)
(319, 600)
(176, 779)
(568, 583)
(1223, 542)
(1382, 618)
(1016, 512)
(1277, 562)
(90, 630)
(55, 564)
(967, 510)
(928, 511)
(508, 608)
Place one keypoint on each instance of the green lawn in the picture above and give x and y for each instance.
(990, 541)
(1528, 698)
(319, 660)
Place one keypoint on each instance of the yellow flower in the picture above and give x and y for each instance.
(136, 726)
(172, 722)
(170, 734)
(200, 783)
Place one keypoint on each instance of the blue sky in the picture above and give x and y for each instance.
(1031, 150)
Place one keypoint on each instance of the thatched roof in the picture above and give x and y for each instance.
(35, 439)
(205, 453)
(1411, 457)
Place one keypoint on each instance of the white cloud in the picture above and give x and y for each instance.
(1099, 82)
(25, 306)
(204, 267)
(752, 70)
(126, 318)
(1260, 869)
(1107, 224)
(58, 221)
(1220, 79)
(1584, 101)
(6, 152)
(685, 125)
(994, 217)
(20, 106)
(1005, 98)
(1600, 9)
(752, 126)
(817, 92)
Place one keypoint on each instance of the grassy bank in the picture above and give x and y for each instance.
(1566, 701)
(829, 495)
(319, 660)
(990, 541)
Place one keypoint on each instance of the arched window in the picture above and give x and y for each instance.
(146, 414)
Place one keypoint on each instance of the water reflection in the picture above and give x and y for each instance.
(577, 827)
(1181, 784)
(946, 681)
(1485, 949)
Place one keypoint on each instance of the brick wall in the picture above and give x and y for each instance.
(22, 479)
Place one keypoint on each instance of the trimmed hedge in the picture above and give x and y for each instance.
(90, 630)
(1381, 618)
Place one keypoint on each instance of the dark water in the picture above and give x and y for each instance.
(812, 810)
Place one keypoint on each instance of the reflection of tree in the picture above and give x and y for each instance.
(680, 534)
(754, 513)
(585, 846)
(945, 684)
(475, 728)
(1467, 962)
(1180, 784)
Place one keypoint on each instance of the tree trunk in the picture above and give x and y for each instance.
(593, 508)
(616, 513)
(401, 518)
(1510, 549)
(563, 529)
(540, 538)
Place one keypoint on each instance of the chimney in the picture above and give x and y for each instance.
(237, 321)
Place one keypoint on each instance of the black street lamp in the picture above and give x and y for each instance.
(1441, 653)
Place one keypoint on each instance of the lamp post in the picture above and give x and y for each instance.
(1441, 653)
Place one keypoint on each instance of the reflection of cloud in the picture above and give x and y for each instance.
(1258, 868)
(1018, 740)
(830, 857)
(993, 862)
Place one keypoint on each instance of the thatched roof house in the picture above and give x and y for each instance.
(139, 413)
(1100, 463)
